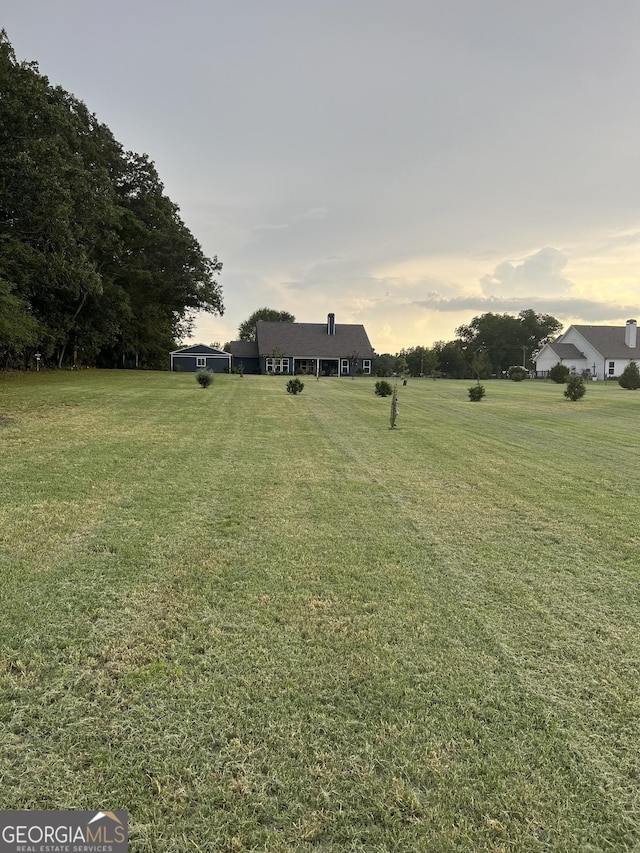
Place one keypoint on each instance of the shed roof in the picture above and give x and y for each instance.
(199, 349)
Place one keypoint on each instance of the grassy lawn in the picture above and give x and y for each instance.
(266, 622)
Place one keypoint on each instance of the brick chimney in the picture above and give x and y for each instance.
(630, 333)
(331, 324)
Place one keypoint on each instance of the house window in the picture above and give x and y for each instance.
(277, 365)
(612, 368)
(366, 366)
(344, 365)
(201, 361)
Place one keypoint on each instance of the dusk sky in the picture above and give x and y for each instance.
(405, 164)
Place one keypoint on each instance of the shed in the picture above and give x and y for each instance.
(200, 357)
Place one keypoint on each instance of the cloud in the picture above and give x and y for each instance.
(563, 309)
(538, 274)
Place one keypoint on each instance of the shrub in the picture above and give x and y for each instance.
(559, 373)
(295, 386)
(630, 377)
(517, 374)
(575, 389)
(204, 378)
(383, 388)
(476, 393)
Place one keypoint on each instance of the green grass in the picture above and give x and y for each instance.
(266, 622)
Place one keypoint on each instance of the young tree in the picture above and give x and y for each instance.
(630, 377)
(559, 373)
(247, 330)
(575, 389)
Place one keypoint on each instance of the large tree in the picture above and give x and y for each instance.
(247, 330)
(95, 254)
(507, 340)
(420, 361)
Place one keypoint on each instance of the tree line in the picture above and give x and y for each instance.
(96, 264)
(487, 346)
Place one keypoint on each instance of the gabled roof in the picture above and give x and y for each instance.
(566, 350)
(310, 340)
(199, 349)
(608, 341)
(244, 349)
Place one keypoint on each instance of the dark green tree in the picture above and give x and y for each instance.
(95, 253)
(559, 373)
(452, 358)
(247, 330)
(630, 377)
(384, 364)
(421, 361)
(575, 389)
(18, 329)
(509, 340)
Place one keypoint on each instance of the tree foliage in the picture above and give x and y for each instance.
(94, 257)
(575, 389)
(630, 377)
(247, 330)
(559, 373)
(504, 337)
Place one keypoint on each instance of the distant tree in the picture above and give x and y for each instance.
(481, 365)
(630, 377)
(247, 330)
(401, 368)
(420, 361)
(452, 358)
(504, 336)
(384, 364)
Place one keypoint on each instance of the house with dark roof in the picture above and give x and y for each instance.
(599, 352)
(316, 349)
(200, 357)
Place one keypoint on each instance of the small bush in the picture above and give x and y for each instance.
(383, 388)
(575, 389)
(295, 386)
(517, 374)
(204, 378)
(476, 393)
(630, 377)
(559, 373)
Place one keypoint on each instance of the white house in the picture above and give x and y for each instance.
(600, 352)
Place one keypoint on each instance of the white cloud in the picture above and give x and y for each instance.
(535, 276)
